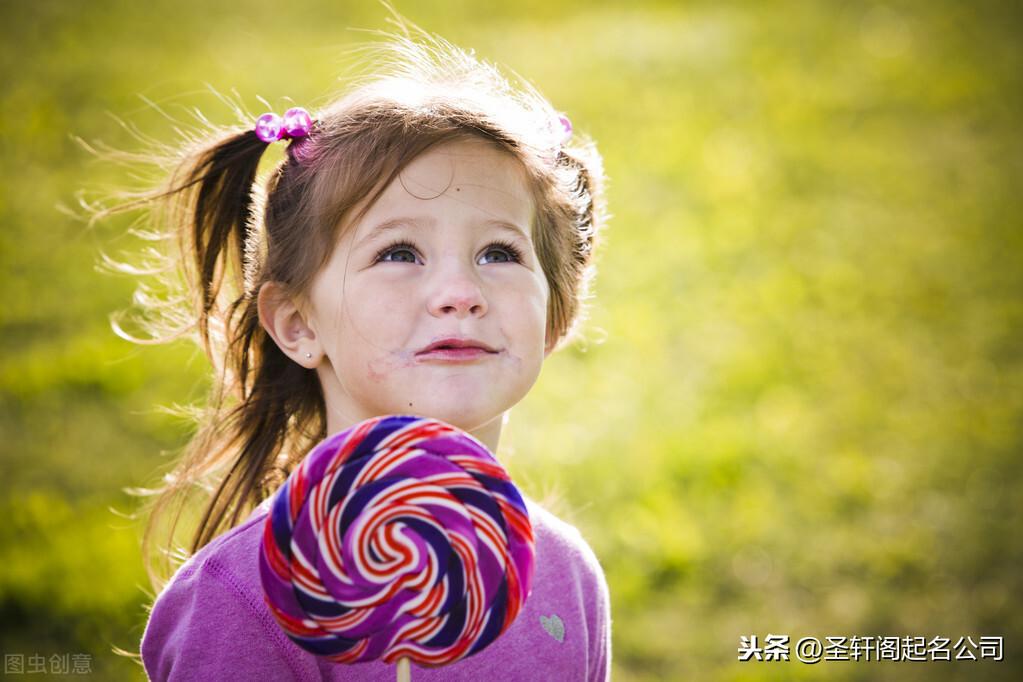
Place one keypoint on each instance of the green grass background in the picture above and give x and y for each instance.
(800, 409)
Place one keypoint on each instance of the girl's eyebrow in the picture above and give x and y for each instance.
(510, 227)
(392, 224)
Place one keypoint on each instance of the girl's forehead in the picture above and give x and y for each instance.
(465, 180)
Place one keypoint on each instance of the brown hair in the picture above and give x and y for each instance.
(235, 233)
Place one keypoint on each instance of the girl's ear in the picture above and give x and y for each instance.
(286, 325)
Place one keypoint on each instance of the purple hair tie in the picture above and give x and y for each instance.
(566, 128)
(296, 123)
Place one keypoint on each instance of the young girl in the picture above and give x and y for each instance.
(424, 245)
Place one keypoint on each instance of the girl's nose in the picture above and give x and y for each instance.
(457, 293)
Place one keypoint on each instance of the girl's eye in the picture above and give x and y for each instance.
(404, 252)
(400, 252)
(505, 253)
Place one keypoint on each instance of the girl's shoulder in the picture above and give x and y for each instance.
(561, 542)
(566, 621)
(210, 622)
(229, 550)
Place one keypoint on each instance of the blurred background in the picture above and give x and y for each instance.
(799, 406)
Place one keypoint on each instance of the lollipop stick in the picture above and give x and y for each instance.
(404, 674)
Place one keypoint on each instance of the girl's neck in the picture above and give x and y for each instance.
(489, 434)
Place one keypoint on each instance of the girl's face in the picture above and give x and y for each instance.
(443, 257)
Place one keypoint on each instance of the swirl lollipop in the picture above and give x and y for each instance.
(399, 537)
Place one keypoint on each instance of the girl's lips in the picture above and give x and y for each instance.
(457, 342)
(455, 354)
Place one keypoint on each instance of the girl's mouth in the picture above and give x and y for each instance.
(452, 354)
(455, 349)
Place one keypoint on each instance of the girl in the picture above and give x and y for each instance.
(424, 245)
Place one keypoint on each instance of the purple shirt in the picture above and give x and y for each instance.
(210, 622)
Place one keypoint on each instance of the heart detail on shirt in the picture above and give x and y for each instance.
(554, 626)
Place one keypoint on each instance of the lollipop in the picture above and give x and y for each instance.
(399, 537)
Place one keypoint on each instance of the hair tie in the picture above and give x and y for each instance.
(566, 129)
(296, 123)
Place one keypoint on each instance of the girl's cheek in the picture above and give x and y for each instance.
(384, 289)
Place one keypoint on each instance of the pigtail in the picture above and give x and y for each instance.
(568, 240)
(205, 207)
(586, 197)
(264, 409)
(261, 405)
(216, 191)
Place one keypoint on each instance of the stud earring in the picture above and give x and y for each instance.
(308, 355)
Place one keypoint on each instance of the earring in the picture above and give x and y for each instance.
(308, 355)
